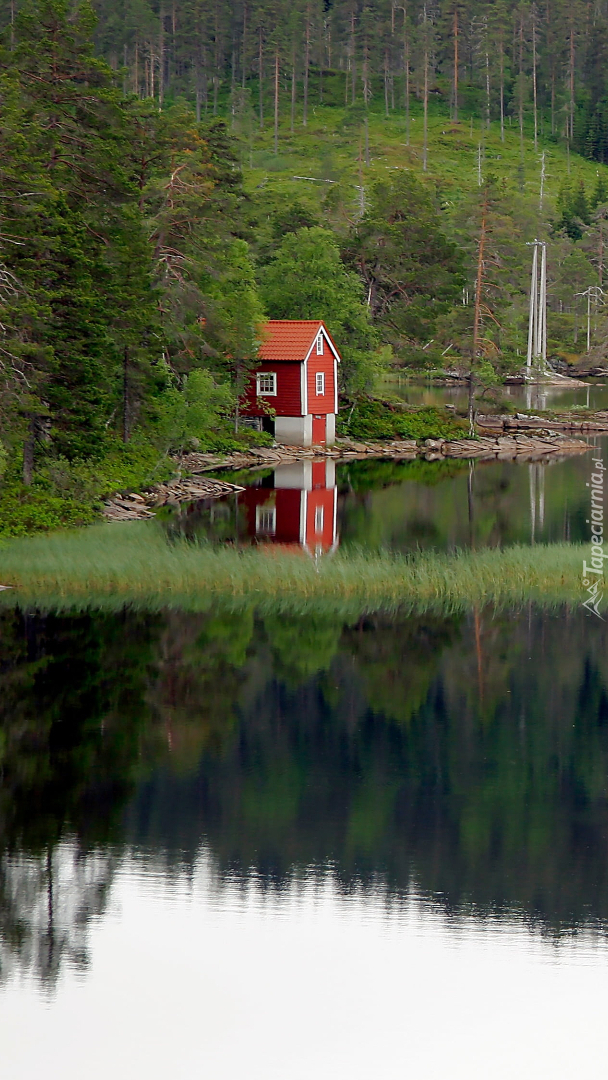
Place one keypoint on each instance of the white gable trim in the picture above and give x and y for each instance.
(304, 387)
(313, 345)
(335, 386)
(303, 516)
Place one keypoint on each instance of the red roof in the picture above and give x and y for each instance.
(289, 339)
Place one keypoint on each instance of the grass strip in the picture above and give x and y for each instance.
(110, 566)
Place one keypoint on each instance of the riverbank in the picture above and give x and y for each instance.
(513, 446)
(134, 564)
(521, 448)
(139, 480)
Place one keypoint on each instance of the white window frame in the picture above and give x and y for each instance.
(319, 343)
(265, 520)
(320, 382)
(319, 519)
(266, 375)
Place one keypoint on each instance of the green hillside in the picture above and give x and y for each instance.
(330, 148)
(331, 153)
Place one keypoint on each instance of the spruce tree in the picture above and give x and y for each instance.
(75, 247)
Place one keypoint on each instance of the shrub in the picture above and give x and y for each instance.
(27, 510)
(369, 418)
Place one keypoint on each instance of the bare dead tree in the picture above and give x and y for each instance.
(306, 67)
(534, 78)
(501, 74)
(276, 100)
(482, 310)
(425, 90)
(455, 31)
(13, 368)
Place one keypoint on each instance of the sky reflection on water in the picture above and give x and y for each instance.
(197, 977)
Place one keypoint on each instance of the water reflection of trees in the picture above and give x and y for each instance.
(47, 900)
(446, 505)
(71, 718)
(467, 753)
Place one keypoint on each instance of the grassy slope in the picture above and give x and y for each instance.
(113, 565)
(325, 149)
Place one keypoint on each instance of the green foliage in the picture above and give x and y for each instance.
(574, 208)
(369, 418)
(121, 262)
(412, 272)
(68, 492)
(28, 510)
(306, 279)
(186, 416)
(237, 308)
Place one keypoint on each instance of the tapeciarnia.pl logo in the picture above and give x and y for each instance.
(593, 572)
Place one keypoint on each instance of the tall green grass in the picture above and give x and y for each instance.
(133, 563)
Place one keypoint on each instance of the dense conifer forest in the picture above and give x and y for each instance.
(175, 172)
(540, 64)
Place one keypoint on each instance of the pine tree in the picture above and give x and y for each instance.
(68, 234)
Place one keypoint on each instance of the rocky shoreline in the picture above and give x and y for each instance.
(499, 440)
(505, 447)
(563, 422)
(133, 507)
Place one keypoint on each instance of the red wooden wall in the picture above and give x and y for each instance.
(318, 505)
(317, 403)
(287, 400)
(319, 532)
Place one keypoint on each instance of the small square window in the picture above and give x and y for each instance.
(319, 344)
(265, 520)
(320, 382)
(267, 382)
(319, 519)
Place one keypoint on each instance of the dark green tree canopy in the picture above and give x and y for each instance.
(410, 268)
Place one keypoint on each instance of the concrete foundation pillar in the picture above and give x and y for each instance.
(297, 430)
(293, 430)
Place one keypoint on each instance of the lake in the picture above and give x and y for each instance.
(252, 841)
(379, 505)
(593, 395)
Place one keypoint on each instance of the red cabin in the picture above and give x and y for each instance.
(293, 389)
(300, 511)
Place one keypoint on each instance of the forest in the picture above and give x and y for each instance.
(175, 173)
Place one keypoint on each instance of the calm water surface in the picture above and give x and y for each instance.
(242, 844)
(401, 506)
(593, 395)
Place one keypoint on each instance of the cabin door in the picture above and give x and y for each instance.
(318, 430)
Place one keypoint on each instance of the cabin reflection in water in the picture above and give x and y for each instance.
(299, 510)
(294, 507)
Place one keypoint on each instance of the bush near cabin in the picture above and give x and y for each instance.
(372, 419)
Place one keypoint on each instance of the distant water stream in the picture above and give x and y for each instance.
(594, 395)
